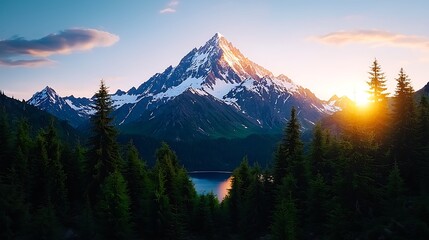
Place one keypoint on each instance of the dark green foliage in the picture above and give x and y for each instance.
(404, 134)
(175, 195)
(14, 211)
(113, 209)
(289, 155)
(104, 157)
(140, 189)
(46, 224)
(285, 217)
(422, 146)
(347, 184)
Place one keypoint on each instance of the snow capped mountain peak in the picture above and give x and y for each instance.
(218, 75)
(222, 52)
(46, 95)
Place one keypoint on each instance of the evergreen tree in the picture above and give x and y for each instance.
(404, 129)
(162, 214)
(253, 214)
(73, 162)
(378, 100)
(285, 216)
(174, 183)
(422, 155)
(316, 206)
(114, 208)
(103, 155)
(377, 86)
(55, 172)
(140, 187)
(289, 153)
(45, 223)
(21, 165)
(395, 184)
(318, 152)
(5, 144)
(241, 179)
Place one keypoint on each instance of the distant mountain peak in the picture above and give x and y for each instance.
(48, 89)
(47, 94)
(334, 98)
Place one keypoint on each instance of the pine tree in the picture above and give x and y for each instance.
(318, 152)
(240, 183)
(21, 165)
(378, 100)
(285, 220)
(56, 174)
(423, 145)
(404, 129)
(140, 187)
(377, 86)
(316, 206)
(395, 184)
(103, 155)
(5, 144)
(289, 153)
(177, 187)
(114, 208)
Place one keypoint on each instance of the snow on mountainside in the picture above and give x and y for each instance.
(49, 101)
(81, 105)
(222, 71)
(45, 96)
(75, 110)
(221, 75)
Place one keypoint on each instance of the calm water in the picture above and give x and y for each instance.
(215, 182)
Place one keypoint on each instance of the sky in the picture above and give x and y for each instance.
(327, 46)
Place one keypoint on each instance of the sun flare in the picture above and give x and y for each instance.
(361, 98)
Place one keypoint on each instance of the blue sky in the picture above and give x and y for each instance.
(326, 46)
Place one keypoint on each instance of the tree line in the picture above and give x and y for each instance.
(368, 179)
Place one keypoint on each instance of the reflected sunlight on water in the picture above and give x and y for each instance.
(216, 182)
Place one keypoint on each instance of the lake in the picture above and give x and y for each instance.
(211, 181)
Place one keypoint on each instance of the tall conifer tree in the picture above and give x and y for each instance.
(404, 126)
(104, 157)
(378, 100)
(289, 153)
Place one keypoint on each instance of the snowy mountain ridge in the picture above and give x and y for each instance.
(219, 75)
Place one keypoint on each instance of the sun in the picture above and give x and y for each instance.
(361, 98)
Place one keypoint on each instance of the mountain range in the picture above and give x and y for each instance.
(214, 92)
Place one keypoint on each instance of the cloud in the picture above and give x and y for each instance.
(168, 10)
(171, 7)
(64, 42)
(375, 38)
(24, 63)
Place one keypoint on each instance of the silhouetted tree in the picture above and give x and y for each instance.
(103, 154)
(378, 100)
(404, 129)
(289, 156)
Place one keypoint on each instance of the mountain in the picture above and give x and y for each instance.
(48, 100)
(422, 92)
(251, 96)
(339, 103)
(14, 111)
(214, 91)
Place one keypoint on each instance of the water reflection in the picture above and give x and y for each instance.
(216, 182)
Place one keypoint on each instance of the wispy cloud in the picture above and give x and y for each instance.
(375, 38)
(24, 63)
(12, 51)
(171, 7)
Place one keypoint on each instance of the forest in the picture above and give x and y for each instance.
(365, 175)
